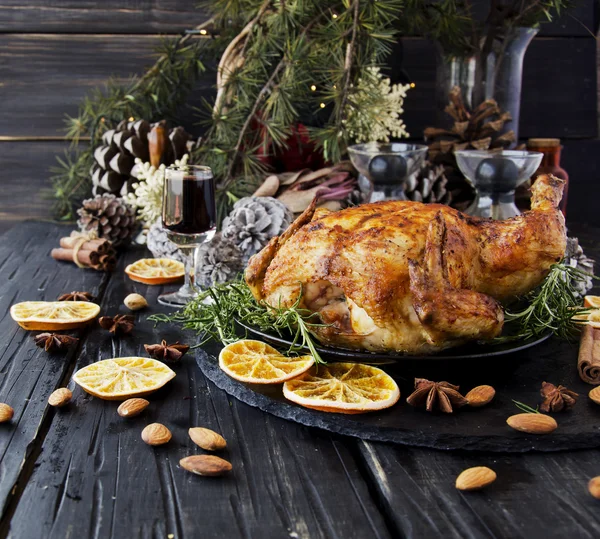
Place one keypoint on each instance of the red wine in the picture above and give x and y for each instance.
(189, 204)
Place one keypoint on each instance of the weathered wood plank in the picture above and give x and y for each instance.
(106, 16)
(28, 374)
(168, 16)
(25, 180)
(45, 77)
(96, 478)
(535, 495)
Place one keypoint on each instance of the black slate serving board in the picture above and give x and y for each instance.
(517, 377)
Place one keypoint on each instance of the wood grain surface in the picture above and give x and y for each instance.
(83, 471)
(96, 478)
(45, 76)
(168, 16)
(27, 373)
(24, 176)
(99, 17)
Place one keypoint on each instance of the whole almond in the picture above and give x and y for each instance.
(132, 407)
(595, 394)
(135, 302)
(475, 478)
(156, 434)
(207, 439)
(480, 396)
(594, 487)
(208, 465)
(60, 397)
(532, 423)
(6, 412)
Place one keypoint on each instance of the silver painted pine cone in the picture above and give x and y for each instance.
(575, 257)
(160, 246)
(217, 261)
(254, 221)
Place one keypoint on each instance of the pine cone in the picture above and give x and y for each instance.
(479, 129)
(114, 169)
(428, 185)
(254, 221)
(575, 257)
(110, 217)
(160, 245)
(217, 261)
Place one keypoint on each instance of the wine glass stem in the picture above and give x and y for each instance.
(189, 257)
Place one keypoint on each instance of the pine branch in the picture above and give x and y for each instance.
(153, 96)
(251, 116)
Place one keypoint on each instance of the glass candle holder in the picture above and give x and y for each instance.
(495, 175)
(385, 167)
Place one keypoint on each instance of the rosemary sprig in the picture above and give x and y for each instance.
(551, 306)
(214, 312)
(524, 408)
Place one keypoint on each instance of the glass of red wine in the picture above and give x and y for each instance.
(189, 217)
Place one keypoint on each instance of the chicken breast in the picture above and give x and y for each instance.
(409, 277)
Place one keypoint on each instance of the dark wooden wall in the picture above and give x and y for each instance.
(53, 52)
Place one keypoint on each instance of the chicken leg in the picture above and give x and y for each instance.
(449, 314)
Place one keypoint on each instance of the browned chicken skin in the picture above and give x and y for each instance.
(406, 276)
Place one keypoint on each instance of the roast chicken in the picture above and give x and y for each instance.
(409, 277)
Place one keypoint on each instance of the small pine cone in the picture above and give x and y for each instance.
(160, 245)
(576, 258)
(110, 217)
(217, 261)
(428, 185)
(254, 221)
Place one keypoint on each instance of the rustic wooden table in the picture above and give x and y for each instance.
(83, 471)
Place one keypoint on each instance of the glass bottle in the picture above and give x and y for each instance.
(550, 164)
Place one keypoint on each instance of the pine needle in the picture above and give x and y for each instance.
(524, 408)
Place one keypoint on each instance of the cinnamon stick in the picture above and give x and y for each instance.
(92, 259)
(67, 255)
(588, 363)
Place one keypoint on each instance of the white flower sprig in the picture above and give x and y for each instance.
(374, 110)
(148, 191)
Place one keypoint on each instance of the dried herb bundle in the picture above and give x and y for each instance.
(552, 306)
(214, 312)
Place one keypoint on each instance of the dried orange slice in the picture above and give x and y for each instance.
(256, 362)
(345, 388)
(53, 315)
(121, 378)
(591, 318)
(155, 270)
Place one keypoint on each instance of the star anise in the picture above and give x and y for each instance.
(76, 296)
(53, 342)
(167, 352)
(556, 398)
(436, 395)
(120, 324)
